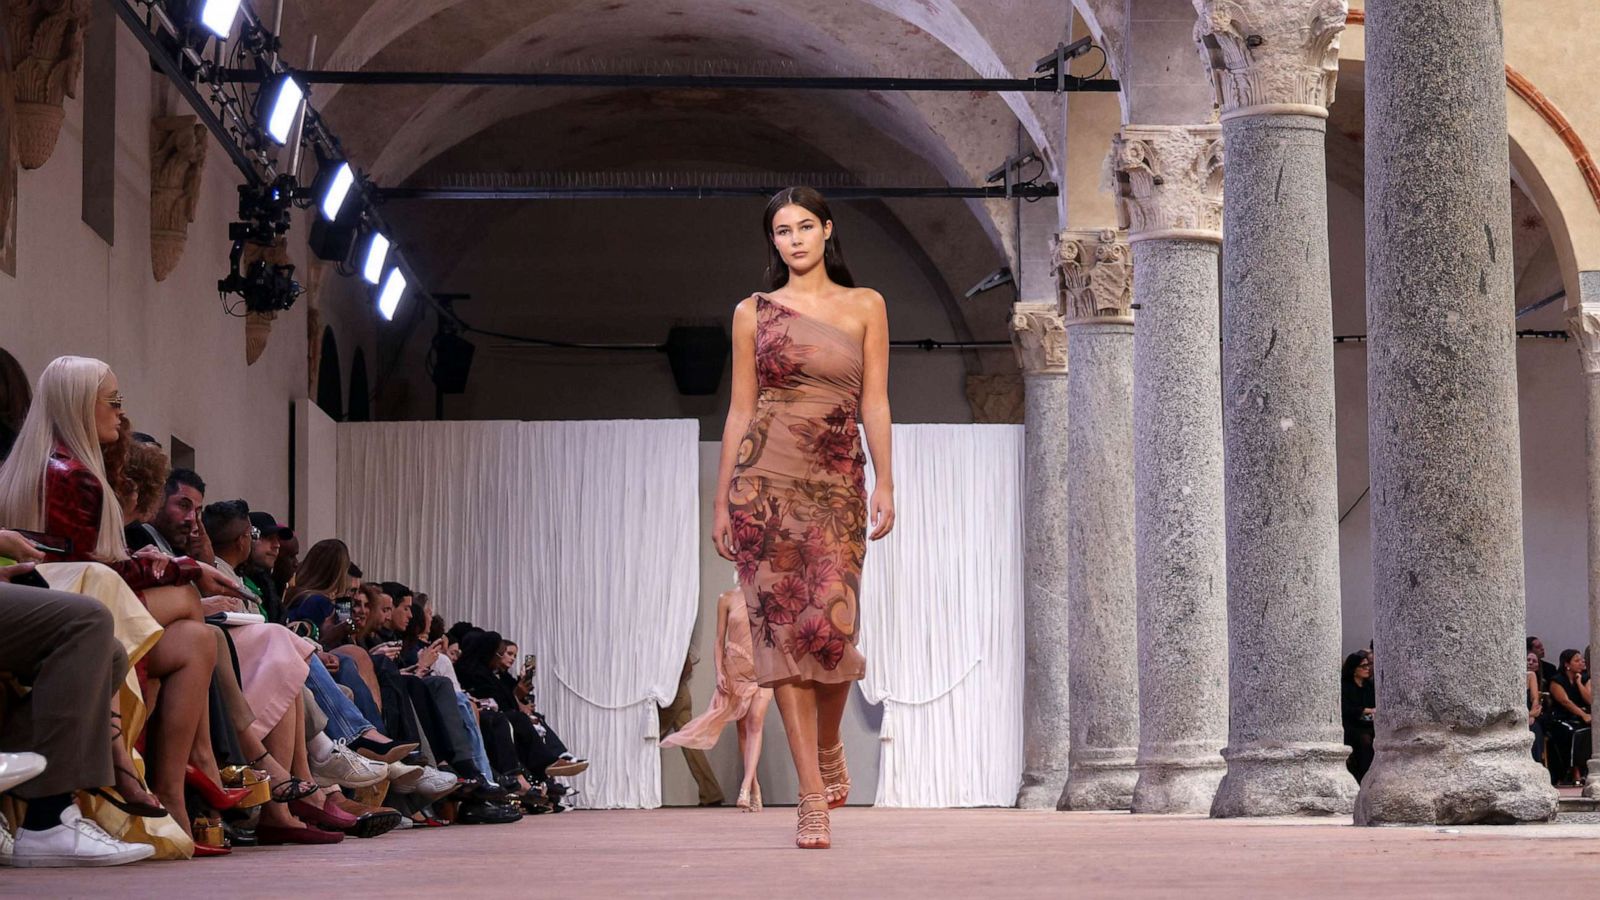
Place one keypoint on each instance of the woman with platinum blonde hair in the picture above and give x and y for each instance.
(55, 481)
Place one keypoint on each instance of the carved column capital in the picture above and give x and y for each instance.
(1039, 336)
(1584, 326)
(1169, 181)
(1094, 274)
(1271, 57)
(46, 56)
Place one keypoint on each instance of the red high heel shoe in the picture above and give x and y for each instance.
(218, 798)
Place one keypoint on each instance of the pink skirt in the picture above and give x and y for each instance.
(272, 671)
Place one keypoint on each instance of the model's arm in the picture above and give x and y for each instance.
(741, 406)
(875, 413)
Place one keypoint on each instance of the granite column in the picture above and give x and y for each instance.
(1274, 65)
(1452, 743)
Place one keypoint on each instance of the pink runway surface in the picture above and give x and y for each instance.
(878, 853)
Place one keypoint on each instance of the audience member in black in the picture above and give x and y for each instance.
(289, 560)
(257, 570)
(539, 749)
(1569, 728)
(1537, 689)
(1547, 670)
(1358, 699)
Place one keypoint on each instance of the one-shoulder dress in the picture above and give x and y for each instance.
(797, 501)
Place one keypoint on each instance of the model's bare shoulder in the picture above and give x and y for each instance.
(867, 299)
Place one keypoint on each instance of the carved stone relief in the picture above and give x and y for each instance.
(1094, 274)
(1039, 336)
(177, 161)
(996, 399)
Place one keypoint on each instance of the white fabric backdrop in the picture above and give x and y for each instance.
(942, 619)
(578, 540)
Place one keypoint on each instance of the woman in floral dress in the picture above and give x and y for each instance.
(810, 364)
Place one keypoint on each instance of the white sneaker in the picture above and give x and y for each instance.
(75, 842)
(403, 778)
(15, 768)
(346, 768)
(6, 841)
(433, 784)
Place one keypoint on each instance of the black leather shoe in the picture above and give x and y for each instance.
(385, 751)
(478, 812)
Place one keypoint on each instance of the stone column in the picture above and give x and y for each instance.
(1444, 453)
(1585, 326)
(1274, 63)
(1095, 274)
(1169, 181)
(1040, 341)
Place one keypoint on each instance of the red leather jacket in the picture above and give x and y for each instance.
(72, 499)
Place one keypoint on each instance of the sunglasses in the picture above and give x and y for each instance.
(115, 401)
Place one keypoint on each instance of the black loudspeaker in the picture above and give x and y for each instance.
(697, 354)
(452, 360)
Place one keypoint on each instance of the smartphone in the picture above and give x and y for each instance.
(530, 663)
(45, 543)
(342, 609)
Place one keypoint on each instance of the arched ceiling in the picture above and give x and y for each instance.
(417, 134)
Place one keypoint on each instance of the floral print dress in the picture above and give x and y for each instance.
(797, 501)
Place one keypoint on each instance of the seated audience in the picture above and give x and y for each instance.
(1358, 701)
(1570, 721)
(1537, 690)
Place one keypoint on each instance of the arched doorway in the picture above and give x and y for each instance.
(359, 408)
(330, 384)
(15, 395)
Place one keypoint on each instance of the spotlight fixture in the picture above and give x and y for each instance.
(218, 15)
(377, 255)
(991, 281)
(339, 201)
(389, 298)
(286, 96)
(336, 190)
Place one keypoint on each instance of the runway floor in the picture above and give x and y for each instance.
(879, 853)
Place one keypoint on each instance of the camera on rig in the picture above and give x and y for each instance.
(264, 211)
(265, 285)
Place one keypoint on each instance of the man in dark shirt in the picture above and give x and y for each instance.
(1547, 670)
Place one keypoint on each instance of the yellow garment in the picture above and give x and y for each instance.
(137, 631)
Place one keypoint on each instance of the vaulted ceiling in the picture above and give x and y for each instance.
(420, 135)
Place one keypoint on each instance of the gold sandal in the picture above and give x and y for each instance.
(811, 831)
(835, 775)
(755, 798)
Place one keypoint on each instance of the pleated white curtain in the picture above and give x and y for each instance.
(578, 540)
(942, 619)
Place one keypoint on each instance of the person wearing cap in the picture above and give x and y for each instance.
(257, 570)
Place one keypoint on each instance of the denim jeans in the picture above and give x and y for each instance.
(469, 718)
(345, 720)
(349, 676)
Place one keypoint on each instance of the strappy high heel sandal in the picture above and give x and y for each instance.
(755, 798)
(286, 791)
(835, 775)
(122, 798)
(744, 801)
(812, 831)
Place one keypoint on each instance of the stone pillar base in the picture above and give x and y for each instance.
(1100, 783)
(1041, 790)
(1177, 786)
(1299, 779)
(1457, 777)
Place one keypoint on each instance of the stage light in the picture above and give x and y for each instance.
(287, 96)
(377, 255)
(337, 190)
(218, 15)
(389, 298)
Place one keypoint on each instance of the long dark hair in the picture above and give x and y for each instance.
(325, 570)
(832, 256)
(1347, 672)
